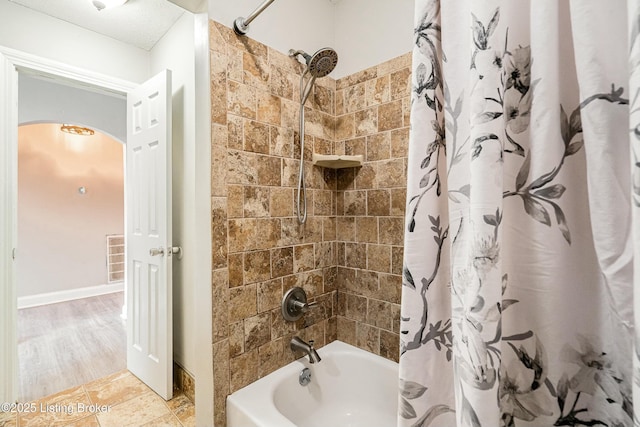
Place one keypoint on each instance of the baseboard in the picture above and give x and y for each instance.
(68, 295)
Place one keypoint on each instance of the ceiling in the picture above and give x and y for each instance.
(139, 23)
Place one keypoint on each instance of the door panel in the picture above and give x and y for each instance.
(149, 288)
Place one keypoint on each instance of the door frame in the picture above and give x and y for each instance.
(11, 63)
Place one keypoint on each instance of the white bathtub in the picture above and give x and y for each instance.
(349, 388)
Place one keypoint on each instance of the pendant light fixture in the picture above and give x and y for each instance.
(107, 4)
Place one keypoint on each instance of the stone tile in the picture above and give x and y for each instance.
(235, 67)
(241, 100)
(242, 302)
(331, 329)
(354, 98)
(378, 146)
(281, 261)
(257, 331)
(268, 233)
(324, 254)
(114, 389)
(392, 230)
(346, 330)
(186, 383)
(281, 142)
(221, 387)
(90, 421)
(366, 176)
(235, 132)
(390, 345)
(367, 229)
(379, 258)
(366, 121)
(218, 170)
(345, 126)
(284, 62)
(271, 356)
(220, 304)
(255, 71)
(256, 137)
(323, 98)
(359, 77)
(279, 326)
(281, 83)
(377, 91)
(397, 254)
(406, 111)
(303, 258)
(236, 338)
(257, 266)
(378, 202)
(323, 203)
(269, 171)
(243, 370)
(392, 173)
(281, 202)
(290, 114)
(356, 307)
(168, 420)
(310, 281)
(235, 201)
(219, 232)
(402, 61)
(400, 143)
(269, 110)
(243, 43)
(329, 278)
(256, 202)
(356, 146)
(216, 42)
(368, 338)
(390, 116)
(242, 168)
(401, 83)
(346, 229)
(269, 295)
(390, 288)
(329, 229)
(379, 314)
(137, 411)
(183, 409)
(340, 102)
(236, 269)
(242, 234)
(355, 255)
(355, 203)
(71, 398)
(398, 201)
(218, 63)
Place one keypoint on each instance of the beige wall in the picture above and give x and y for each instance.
(61, 233)
(348, 256)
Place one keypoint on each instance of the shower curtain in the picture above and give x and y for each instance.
(517, 297)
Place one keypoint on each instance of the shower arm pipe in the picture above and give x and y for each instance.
(241, 25)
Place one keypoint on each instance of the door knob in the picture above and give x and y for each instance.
(156, 251)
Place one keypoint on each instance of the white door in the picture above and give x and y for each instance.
(148, 234)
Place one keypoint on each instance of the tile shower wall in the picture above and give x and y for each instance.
(259, 250)
(372, 119)
(348, 256)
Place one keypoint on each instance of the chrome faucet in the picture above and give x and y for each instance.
(298, 344)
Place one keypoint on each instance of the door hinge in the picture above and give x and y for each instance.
(13, 253)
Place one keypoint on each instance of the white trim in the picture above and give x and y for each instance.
(12, 61)
(8, 228)
(202, 250)
(68, 295)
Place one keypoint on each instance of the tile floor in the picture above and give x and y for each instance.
(118, 400)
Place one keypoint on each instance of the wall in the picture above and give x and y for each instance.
(372, 108)
(369, 32)
(348, 256)
(42, 100)
(352, 27)
(24, 29)
(68, 249)
(259, 250)
(175, 51)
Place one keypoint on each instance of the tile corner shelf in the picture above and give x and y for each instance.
(337, 161)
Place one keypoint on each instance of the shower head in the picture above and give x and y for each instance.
(320, 63)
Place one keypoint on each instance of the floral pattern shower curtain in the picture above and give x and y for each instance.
(517, 303)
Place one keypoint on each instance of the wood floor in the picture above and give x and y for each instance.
(68, 344)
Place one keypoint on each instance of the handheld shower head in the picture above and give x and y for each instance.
(320, 63)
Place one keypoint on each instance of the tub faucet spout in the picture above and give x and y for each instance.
(298, 344)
